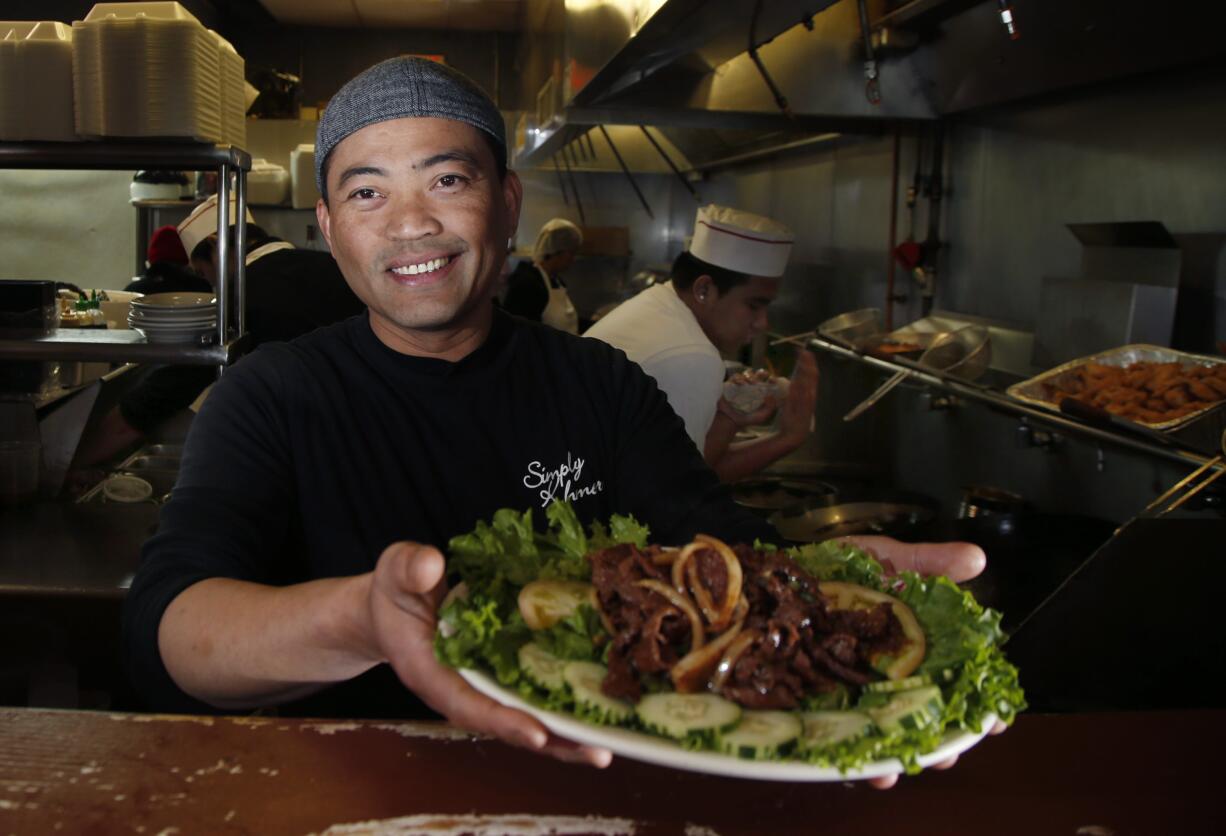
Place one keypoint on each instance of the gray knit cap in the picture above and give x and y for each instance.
(400, 87)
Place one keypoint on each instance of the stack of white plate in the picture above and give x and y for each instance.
(181, 318)
(146, 69)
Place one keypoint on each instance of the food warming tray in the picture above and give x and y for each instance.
(1032, 391)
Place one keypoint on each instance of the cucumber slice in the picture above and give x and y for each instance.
(541, 667)
(761, 735)
(888, 686)
(826, 728)
(909, 710)
(584, 679)
(685, 715)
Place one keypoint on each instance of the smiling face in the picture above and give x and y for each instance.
(733, 318)
(418, 221)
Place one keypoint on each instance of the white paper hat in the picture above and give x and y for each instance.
(741, 241)
(202, 223)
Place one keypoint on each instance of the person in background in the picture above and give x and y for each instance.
(166, 267)
(535, 289)
(681, 330)
(290, 292)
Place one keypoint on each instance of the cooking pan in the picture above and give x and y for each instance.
(892, 515)
(964, 353)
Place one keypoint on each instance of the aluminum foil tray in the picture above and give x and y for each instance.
(1032, 391)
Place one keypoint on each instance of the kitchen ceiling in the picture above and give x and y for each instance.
(484, 15)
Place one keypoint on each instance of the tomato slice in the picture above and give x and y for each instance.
(850, 596)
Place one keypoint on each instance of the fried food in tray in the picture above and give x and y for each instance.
(1152, 393)
(1149, 385)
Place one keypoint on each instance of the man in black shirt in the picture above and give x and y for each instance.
(298, 557)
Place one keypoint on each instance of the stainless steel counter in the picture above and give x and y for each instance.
(62, 548)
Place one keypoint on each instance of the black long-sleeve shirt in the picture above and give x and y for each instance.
(310, 457)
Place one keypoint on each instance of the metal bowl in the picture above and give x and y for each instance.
(853, 329)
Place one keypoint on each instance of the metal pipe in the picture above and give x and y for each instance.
(240, 243)
(570, 155)
(575, 187)
(561, 180)
(780, 99)
(749, 156)
(932, 246)
(223, 254)
(872, 88)
(626, 171)
(670, 162)
(889, 276)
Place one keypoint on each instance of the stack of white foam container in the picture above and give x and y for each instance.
(233, 93)
(146, 70)
(36, 81)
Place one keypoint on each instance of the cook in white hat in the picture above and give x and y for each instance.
(715, 304)
(202, 223)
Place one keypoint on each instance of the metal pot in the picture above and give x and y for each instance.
(992, 508)
(893, 516)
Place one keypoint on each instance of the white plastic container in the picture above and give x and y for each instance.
(304, 192)
(146, 70)
(267, 184)
(36, 81)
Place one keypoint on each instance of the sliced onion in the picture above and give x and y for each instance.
(702, 595)
(691, 673)
(681, 602)
(683, 558)
(724, 669)
(735, 579)
(667, 557)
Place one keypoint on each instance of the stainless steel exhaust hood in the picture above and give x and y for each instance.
(683, 67)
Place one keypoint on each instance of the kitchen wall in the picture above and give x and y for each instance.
(73, 226)
(1142, 150)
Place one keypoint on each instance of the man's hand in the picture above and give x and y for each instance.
(796, 417)
(404, 595)
(956, 561)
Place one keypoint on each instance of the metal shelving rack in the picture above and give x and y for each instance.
(1000, 402)
(129, 346)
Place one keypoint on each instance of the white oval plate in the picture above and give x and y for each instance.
(657, 750)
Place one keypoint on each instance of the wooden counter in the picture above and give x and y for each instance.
(100, 773)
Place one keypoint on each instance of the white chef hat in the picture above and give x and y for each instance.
(202, 222)
(557, 236)
(741, 241)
